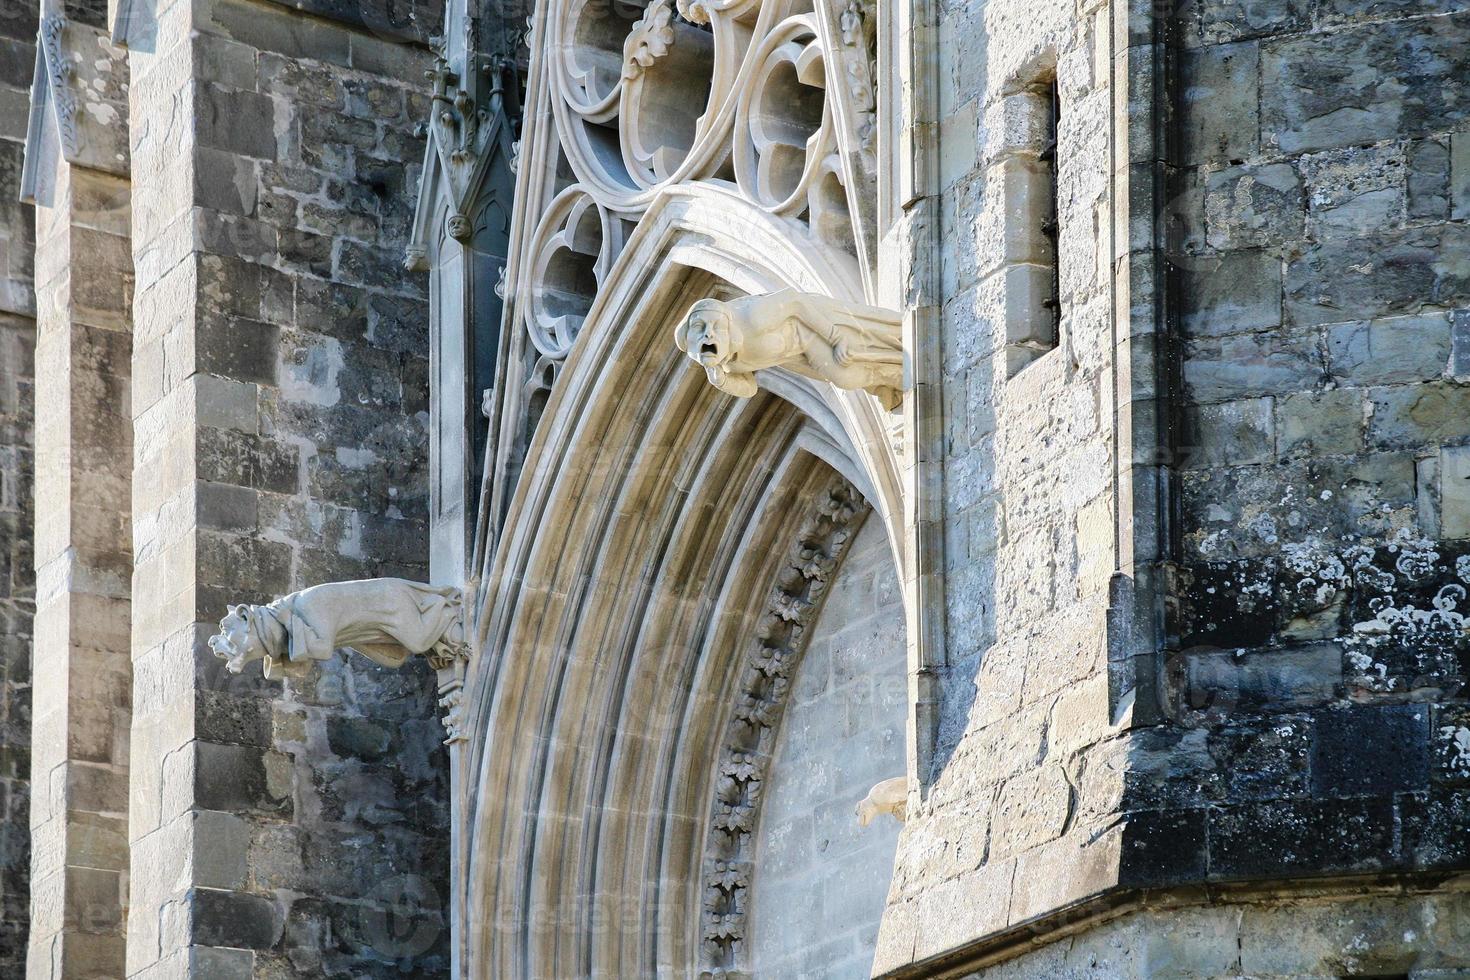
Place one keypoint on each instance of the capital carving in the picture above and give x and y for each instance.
(386, 620)
(854, 347)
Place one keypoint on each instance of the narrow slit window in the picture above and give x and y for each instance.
(1031, 171)
(1051, 216)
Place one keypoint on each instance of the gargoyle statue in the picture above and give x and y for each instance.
(854, 347)
(890, 796)
(386, 620)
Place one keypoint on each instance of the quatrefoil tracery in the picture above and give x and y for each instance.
(646, 94)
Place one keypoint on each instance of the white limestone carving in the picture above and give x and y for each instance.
(386, 620)
(890, 796)
(452, 702)
(574, 246)
(854, 347)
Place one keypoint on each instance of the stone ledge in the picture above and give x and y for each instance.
(1091, 911)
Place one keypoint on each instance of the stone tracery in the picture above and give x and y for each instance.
(643, 98)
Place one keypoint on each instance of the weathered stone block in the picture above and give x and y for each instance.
(239, 122)
(1249, 206)
(1454, 492)
(1230, 20)
(1429, 179)
(1246, 365)
(1418, 415)
(1031, 810)
(235, 778)
(1392, 350)
(1231, 293)
(1221, 114)
(1355, 191)
(1230, 680)
(1434, 827)
(1365, 749)
(1460, 176)
(1163, 847)
(1376, 277)
(1320, 423)
(1315, 94)
(1280, 837)
(1229, 433)
(1450, 745)
(233, 919)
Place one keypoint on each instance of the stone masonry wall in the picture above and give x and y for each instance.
(1319, 708)
(1028, 523)
(281, 409)
(17, 585)
(1315, 722)
(842, 733)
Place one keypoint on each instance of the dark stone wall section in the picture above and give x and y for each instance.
(1322, 208)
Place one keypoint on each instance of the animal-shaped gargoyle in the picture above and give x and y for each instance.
(386, 620)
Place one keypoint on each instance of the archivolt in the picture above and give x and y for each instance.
(648, 527)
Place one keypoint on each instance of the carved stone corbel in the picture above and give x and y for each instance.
(852, 346)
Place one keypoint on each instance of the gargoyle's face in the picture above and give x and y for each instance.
(234, 643)
(707, 336)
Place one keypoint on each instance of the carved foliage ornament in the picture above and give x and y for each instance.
(59, 72)
(857, 348)
(750, 737)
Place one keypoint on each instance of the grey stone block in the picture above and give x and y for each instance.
(1429, 179)
(1460, 176)
(1419, 415)
(237, 121)
(1326, 90)
(1221, 103)
(1389, 351)
(1290, 678)
(1231, 20)
(1230, 433)
(1375, 277)
(1321, 422)
(1253, 205)
(1355, 191)
(1377, 749)
(233, 919)
(1230, 293)
(234, 778)
(1247, 365)
(1460, 345)
(278, 31)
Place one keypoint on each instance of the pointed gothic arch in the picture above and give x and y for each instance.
(650, 551)
(655, 519)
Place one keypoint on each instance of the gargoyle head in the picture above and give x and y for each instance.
(236, 643)
(713, 340)
(708, 335)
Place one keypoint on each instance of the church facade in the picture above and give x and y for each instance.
(734, 488)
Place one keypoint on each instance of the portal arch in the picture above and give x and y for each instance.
(655, 524)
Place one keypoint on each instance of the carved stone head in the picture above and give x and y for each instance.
(707, 334)
(236, 643)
